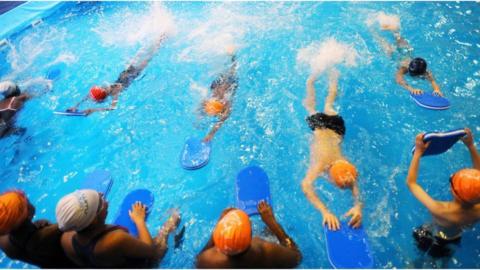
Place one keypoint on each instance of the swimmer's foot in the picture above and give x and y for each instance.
(389, 27)
(172, 222)
(230, 49)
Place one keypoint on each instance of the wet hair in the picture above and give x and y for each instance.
(418, 66)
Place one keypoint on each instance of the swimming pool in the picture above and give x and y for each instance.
(140, 142)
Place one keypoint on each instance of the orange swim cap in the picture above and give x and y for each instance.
(13, 210)
(233, 233)
(343, 173)
(466, 185)
(213, 107)
(97, 93)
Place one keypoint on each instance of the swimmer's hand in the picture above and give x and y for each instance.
(437, 92)
(72, 109)
(356, 216)
(266, 212)
(468, 138)
(172, 222)
(415, 91)
(331, 221)
(138, 212)
(420, 145)
(89, 111)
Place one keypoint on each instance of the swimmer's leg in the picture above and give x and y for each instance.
(332, 92)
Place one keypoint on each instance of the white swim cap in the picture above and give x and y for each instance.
(9, 89)
(77, 210)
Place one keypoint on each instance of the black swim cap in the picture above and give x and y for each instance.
(417, 66)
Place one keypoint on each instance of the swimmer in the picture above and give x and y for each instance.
(231, 244)
(452, 217)
(326, 154)
(13, 100)
(416, 67)
(223, 90)
(36, 243)
(126, 77)
(91, 243)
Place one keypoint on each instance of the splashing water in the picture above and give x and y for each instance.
(126, 27)
(327, 54)
(386, 21)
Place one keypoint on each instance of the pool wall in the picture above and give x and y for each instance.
(23, 16)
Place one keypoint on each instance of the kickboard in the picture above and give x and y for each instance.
(195, 154)
(440, 142)
(348, 247)
(70, 113)
(123, 218)
(430, 101)
(252, 187)
(99, 180)
(55, 71)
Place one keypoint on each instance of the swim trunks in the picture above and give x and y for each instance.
(434, 241)
(325, 121)
(127, 76)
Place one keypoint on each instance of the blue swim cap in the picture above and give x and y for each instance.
(418, 66)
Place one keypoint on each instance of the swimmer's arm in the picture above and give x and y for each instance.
(131, 247)
(356, 195)
(435, 86)
(74, 108)
(432, 205)
(469, 143)
(276, 256)
(112, 107)
(399, 78)
(218, 124)
(307, 187)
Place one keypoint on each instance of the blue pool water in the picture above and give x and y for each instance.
(140, 143)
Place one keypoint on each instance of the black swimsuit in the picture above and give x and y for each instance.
(127, 76)
(55, 259)
(87, 256)
(325, 121)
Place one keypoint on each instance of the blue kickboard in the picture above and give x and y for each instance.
(70, 113)
(123, 218)
(431, 101)
(348, 247)
(195, 154)
(440, 142)
(252, 187)
(99, 180)
(55, 71)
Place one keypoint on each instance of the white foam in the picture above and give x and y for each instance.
(321, 56)
(126, 27)
(389, 21)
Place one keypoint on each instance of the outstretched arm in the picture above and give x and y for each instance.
(268, 218)
(356, 211)
(468, 141)
(219, 123)
(436, 88)
(307, 187)
(112, 107)
(417, 191)
(399, 78)
(75, 108)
